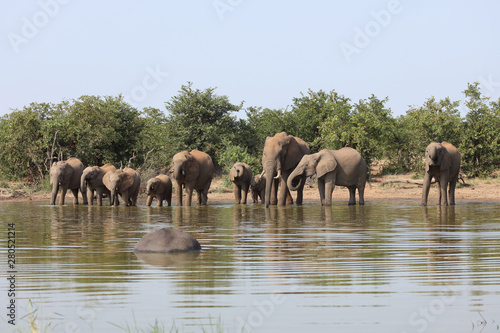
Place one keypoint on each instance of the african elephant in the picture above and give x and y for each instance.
(343, 167)
(241, 177)
(281, 155)
(258, 188)
(193, 170)
(91, 182)
(66, 175)
(159, 187)
(442, 161)
(124, 182)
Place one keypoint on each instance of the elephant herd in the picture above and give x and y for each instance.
(286, 162)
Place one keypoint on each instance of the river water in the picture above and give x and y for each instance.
(382, 267)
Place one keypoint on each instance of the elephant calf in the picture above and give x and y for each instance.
(344, 167)
(258, 187)
(159, 187)
(241, 177)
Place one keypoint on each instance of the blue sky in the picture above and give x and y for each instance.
(264, 53)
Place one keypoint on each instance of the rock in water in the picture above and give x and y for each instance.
(167, 240)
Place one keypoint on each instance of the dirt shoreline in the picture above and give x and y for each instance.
(476, 190)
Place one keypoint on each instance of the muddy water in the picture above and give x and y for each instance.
(384, 267)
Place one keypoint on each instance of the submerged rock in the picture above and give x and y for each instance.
(167, 240)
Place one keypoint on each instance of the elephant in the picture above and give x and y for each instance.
(343, 167)
(91, 181)
(124, 182)
(167, 240)
(258, 188)
(281, 155)
(66, 175)
(159, 187)
(442, 162)
(194, 170)
(241, 177)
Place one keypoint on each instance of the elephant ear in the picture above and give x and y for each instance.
(106, 181)
(232, 174)
(327, 163)
(127, 181)
(446, 160)
(291, 153)
(193, 169)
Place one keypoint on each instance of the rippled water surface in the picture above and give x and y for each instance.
(384, 267)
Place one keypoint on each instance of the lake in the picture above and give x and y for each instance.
(382, 267)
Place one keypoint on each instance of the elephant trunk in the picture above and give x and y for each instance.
(269, 173)
(55, 189)
(295, 180)
(114, 197)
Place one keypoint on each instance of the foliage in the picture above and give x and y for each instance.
(99, 130)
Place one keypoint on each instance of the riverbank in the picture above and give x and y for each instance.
(381, 188)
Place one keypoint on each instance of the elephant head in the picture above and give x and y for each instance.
(436, 155)
(240, 172)
(281, 155)
(317, 164)
(125, 182)
(185, 167)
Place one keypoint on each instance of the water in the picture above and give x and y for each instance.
(384, 267)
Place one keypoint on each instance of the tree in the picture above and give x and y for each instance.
(201, 120)
(480, 138)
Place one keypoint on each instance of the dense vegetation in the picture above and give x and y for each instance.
(99, 129)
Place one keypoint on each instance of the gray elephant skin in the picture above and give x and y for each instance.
(241, 177)
(65, 175)
(442, 162)
(124, 182)
(343, 167)
(258, 188)
(167, 240)
(194, 171)
(281, 155)
(91, 183)
(159, 187)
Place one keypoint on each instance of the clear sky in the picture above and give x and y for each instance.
(264, 53)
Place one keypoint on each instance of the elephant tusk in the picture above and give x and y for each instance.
(278, 175)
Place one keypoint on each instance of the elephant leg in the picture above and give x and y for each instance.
(321, 189)
(273, 200)
(149, 200)
(237, 193)
(84, 197)
(443, 195)
(169, 198)
(178, 194)
(425, 189)
(126, 198)
(300, 193)
(189, 194)
(451, 193)
(361, 194)
(244, 194)
(90, 196)
(63, 195)
(329, 187)
(352, 195)
(99, 197)
(75, 195)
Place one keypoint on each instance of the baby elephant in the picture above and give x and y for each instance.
(159, 187)
(241, 177)
(344, 167)
(258, 187)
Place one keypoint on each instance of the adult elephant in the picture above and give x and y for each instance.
(343, 167)
(442, 162)
(124, 182)
(281, 155)
(92, 184)
(241, 177)
(159, 187)
(258, 188)
(66, 175)
(193, 170)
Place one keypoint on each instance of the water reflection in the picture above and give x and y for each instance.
(388, 258)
